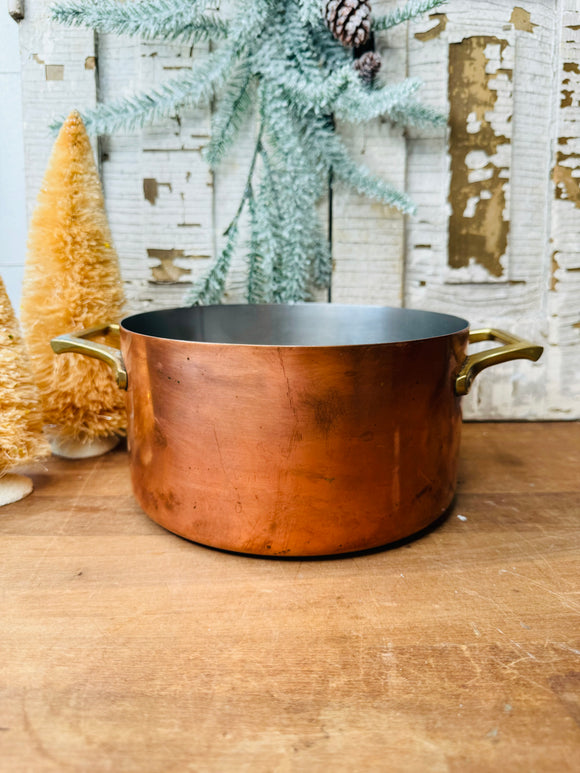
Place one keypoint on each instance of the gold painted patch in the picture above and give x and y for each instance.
(477, 229)
(520, 18)
(151, 189)
(567, 186)
(167, 271)
(565, 173)
(435, 31)
(555, 266)
(54, 72)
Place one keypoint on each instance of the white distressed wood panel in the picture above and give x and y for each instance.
(517, 299)
(368, 237)
(58, 73)
(564, 287)
(118, 74)
(177, 187)
(516, 192)
(12, 185)
(159, 191)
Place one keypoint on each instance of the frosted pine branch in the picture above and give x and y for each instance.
(310, 11)
(266, 223)
(342, 92)
(279, 54)
(415, 114)
(359, 177)
(261, 251)
(162, 19)
(322, 261)
(232, 109)
(409, 11)
(320, 93)
(192, 89)
(210, 288)
(361, 104)
(332, 54)
(300, 185)
(327, 153)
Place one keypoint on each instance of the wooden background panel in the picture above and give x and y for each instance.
(12, 185)
(177, 193)
(368, 237)
(118, 74)
(514, 297)
(465, 60)
(502, 181)
(159, 191)
(181, 208)
(530, 392)
(564, 295)
(56, 63)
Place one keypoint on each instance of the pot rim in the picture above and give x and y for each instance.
(458, 324)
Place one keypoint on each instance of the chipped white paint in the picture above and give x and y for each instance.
(159, 192)
(519, 299)
(471, 206)
(16, 9)
(473, 125)
(168, 212)
(563, 302)
(12, 187)
(473, 273)
(53, 66)
(473, 201)
(482, 166)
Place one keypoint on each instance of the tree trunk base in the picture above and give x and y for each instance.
(14, 487)
(70, 448)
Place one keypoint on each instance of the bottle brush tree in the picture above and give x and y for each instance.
(21, 437)
(71, 282)
(292, 63)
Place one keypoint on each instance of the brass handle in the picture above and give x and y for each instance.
(514, 349)
(76, 342)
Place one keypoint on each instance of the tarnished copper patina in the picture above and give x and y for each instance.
(295, 430)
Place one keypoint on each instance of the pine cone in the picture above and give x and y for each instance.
(368, 66)
(349, 21)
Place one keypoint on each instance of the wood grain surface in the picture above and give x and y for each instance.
(125, 648)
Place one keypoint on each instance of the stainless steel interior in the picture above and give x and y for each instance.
(307, 324)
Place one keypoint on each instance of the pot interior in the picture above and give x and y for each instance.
(308, 324)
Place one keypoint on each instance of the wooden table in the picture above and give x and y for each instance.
(125, 648)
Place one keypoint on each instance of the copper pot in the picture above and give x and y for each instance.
(298, 430)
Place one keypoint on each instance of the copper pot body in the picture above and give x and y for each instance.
(293, 450)
(302, 430)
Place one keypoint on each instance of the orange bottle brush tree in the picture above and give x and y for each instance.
(72, 281)
(21, 437)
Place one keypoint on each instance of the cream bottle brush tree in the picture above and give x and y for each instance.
(72, 281)
(21, 437)
(292, 62)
